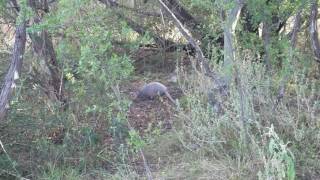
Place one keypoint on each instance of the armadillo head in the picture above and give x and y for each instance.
(133, 95)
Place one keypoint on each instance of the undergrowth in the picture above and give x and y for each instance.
(94, 142)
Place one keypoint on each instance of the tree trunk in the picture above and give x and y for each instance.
(293, 40)
(296, 29)
(314, 30)
(266, 35)
(231, 20)
(14, 69)
(43, 46)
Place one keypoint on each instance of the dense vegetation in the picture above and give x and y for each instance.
(244, 73)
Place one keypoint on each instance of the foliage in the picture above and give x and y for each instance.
(135, 141)
(98, 53)
(54, 172)
(279, 164)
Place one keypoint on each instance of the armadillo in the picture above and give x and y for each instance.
(153, 89)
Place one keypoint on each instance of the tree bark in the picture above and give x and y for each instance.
(293, 40)
(43, 46)
(314, 30)
(231, 19)
(266, 35)
(14, 70)
(296, 29)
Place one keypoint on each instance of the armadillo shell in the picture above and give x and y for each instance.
(152, 90)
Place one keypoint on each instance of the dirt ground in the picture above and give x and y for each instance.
(145, 115)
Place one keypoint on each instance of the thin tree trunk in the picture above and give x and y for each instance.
(231, 19)
(266, 44)
(314, 30)
(296, 29)
(14, 69)
(293, 41)
(43, 46)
